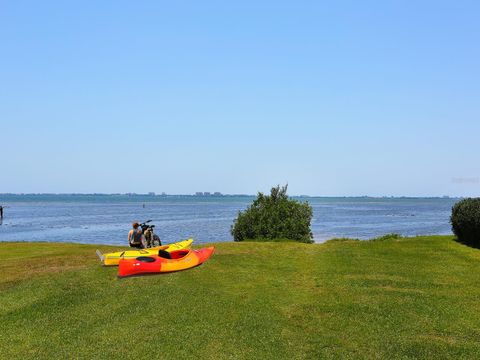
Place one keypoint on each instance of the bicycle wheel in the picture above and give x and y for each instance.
(156, 240)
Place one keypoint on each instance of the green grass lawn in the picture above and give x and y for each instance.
(386, 299)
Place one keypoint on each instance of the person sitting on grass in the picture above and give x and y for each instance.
(135, 237)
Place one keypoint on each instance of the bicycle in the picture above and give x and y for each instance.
(151, 239)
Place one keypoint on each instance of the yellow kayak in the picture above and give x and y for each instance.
(113, 258)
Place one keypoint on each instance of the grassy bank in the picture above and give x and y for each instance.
(397, 298)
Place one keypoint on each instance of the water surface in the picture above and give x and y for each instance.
(106, 219)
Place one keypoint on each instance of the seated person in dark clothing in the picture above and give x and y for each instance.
(135, 237)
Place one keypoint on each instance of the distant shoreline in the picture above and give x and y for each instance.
(136, 195)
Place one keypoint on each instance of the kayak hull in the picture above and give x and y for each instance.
(180, 260)
(112, 259)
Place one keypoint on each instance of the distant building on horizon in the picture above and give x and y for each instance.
(208, 193)
(151, 193)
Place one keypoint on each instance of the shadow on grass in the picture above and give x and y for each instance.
(471, 245)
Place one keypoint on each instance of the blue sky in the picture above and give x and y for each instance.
(333, 97)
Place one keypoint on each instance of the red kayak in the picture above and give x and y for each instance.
(164, 262)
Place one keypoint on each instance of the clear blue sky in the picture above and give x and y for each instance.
(333, 97)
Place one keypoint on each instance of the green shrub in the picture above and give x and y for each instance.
(391, 236)
(342, 239)
(274, 217)
(465, 221)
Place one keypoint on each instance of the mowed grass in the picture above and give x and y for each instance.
(397, 298)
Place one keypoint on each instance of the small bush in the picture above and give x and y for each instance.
(392, 236)
(465, 221)
(274, 217)
(343, 239)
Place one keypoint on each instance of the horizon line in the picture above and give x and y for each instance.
(130, 194)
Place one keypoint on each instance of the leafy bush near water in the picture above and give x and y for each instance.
(465, 221)
(386, 237)
(274, 216)
(391, 236)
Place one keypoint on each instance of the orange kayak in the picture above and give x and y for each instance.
(164, 262)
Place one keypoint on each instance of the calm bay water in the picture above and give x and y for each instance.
(106, 219)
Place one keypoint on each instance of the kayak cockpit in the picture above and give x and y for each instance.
(174, 255)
